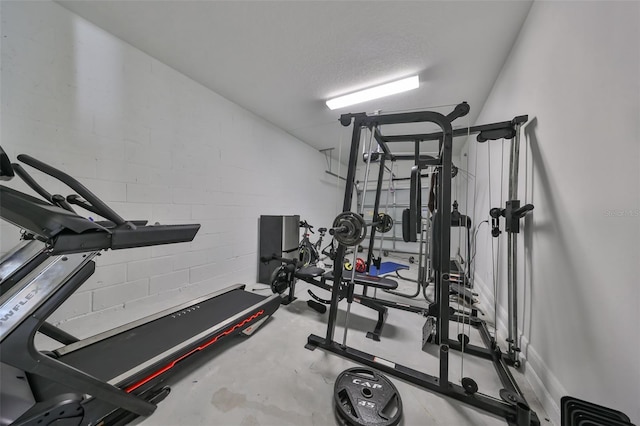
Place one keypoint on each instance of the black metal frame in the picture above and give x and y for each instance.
(513, 407)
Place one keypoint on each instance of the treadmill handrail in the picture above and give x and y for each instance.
(41, 218)
(105, 211)
(26, 177)
(66, 232)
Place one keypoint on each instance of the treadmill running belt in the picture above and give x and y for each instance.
(107, 359)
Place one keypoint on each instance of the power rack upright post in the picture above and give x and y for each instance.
(512, 406)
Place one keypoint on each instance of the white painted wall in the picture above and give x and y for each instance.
(575, 70)
(154, 145)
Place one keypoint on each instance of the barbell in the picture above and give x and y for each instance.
(350, 229)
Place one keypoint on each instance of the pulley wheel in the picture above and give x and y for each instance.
(364, 397)
(463, 339)
(470, 386)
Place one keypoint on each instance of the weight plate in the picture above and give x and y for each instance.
(384, 223)
(355, 229)
(364, 397)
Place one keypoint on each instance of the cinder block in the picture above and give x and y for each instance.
(154, 303)
(76, 305)
(167, 282)
(214, 226)
(190, 259)
(147, 193)
(119, 294)
(190, 196)
(107, 190)
(106, 275)
(201, 212)
(79, 165)
(113, 257)
(132, 210)
(110, 170)
(171, 213)
(169, 249)
(147, 268)
(102, 148)
(203, 242)
(219, 254)
(142, 154)
(201, 273)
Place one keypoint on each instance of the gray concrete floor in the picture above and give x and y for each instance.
(271, 379)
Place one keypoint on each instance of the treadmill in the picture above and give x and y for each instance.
(115, 376)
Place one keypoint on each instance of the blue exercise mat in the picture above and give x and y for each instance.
(386, 268)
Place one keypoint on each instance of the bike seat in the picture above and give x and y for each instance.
(322, 230)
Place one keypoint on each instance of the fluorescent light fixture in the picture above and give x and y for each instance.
(376, 92)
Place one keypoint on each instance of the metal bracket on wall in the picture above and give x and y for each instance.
(329, 159)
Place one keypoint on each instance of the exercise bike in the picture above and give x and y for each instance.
(309, 253)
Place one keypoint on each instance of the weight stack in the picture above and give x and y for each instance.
(279, 235)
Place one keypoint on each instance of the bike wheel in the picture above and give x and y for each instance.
(306, 255)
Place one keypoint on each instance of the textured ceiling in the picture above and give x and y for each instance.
(282, 60)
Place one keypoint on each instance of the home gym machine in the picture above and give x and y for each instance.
(511, 405)
(412, 228)
(117, 375)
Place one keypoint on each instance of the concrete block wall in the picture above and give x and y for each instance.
(154, 145)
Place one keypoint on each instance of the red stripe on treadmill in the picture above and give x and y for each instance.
(199, 348)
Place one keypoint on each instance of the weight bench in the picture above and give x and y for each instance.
(319, 278)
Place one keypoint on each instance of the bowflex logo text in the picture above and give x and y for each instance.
(18, 306)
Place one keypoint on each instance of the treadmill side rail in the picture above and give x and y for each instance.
(125, 327)
(251, 317)
(37, 287)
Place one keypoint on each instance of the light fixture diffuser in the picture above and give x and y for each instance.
(376, 92)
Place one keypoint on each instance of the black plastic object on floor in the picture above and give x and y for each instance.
(364, 397)
(317, 306)
(576, 412)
